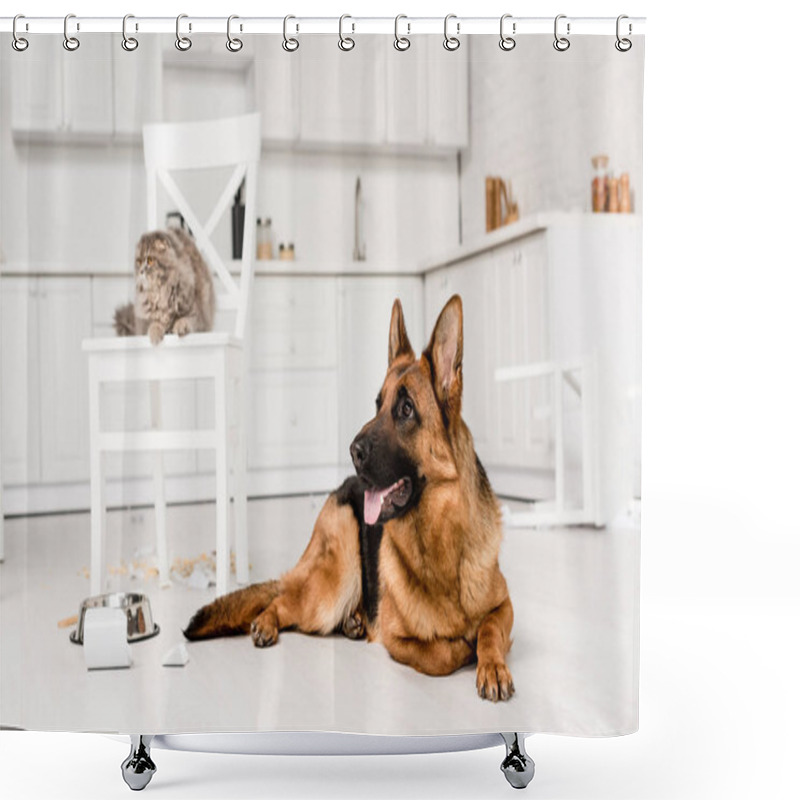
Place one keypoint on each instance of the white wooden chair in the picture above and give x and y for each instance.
(233, 143)
(580, 377)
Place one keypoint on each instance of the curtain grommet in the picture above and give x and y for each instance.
(561, 43)
(623, 44)
(289, 44)
(401, 43)
(233, 44)
(451, 43)
(182, 43)
(346, 43)
(19, 43)
(71, 43)
(507, 43)
(129, 43)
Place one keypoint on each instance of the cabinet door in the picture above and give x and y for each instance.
(37, 91)
(342, 94)
(448, 101)
(88, 93)
(292, 419)
(19, 380)
(137, 88)
(65, 320)
(365, 313)
(276, 84)
(407, 96)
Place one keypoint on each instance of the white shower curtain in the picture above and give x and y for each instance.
(512, 180)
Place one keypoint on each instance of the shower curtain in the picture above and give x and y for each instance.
(475, 211)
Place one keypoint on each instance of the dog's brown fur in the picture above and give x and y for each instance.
(442, 601)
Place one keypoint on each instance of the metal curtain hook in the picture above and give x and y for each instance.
(233, 44)
(182, 43)
(507, 42)
(346, 43)
(18, 42)
(561, 43)
(623, 44)
(129, 43)
(451, 43)
(289, 44)
(70, 42)
(401, 43)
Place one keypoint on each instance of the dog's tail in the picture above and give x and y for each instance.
(231, 614)
(125, 321)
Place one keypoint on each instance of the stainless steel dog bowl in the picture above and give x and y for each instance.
(136, 608)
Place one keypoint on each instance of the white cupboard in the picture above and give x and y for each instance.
(61, 97)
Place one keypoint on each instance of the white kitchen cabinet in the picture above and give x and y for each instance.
(504, 296)
(64, 322)
(292, 419)
(19, 380)
(45, 399)
(448, 99)
(342, 94)
(137, 88)
(276, 85)
(407, 95)
(56, 95)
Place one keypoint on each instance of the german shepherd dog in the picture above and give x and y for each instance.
(406, 551)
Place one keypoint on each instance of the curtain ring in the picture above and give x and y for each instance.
(182, 43)
(401, 43)
(561, 43)
(70, 43)
(18, 42)
(233, 44)
(451, 43)
(507, 42)
(289, 44)
(623, 45)
(346, 43)
(129, 43)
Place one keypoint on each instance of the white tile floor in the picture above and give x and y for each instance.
(575, 594)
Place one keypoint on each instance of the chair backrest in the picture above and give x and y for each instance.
(234, 142)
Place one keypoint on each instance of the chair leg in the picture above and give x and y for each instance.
(240, 489)
(160, 504)
(223, 477)
(97, 501)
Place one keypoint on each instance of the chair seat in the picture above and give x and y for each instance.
(124, 344)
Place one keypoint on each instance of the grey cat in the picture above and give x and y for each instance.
(174, 289)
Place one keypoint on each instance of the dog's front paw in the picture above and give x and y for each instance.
(264, 631)
(156, 332)
(494, 681)
(354, 626)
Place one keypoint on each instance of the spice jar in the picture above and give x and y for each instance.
(625, 193)
(264, 239)
(600, 183)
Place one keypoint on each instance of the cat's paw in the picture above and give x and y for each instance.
(156, 332)
(182, 326)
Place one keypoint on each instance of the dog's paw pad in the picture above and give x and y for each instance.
(354, 627)
(494, 682)
(263, 637)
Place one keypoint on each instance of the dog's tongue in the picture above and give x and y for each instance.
(373, 502)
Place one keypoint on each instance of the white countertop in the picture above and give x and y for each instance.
(527, 226)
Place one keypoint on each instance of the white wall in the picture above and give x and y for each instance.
(579, 103)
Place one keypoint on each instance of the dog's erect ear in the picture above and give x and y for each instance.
(444, 354)
(399, 343)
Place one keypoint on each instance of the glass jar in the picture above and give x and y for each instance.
(600, 183)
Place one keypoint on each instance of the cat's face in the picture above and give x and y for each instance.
(154, 256)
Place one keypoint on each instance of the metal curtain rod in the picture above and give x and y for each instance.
(603, 26)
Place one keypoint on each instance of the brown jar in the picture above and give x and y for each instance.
(600, 183)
